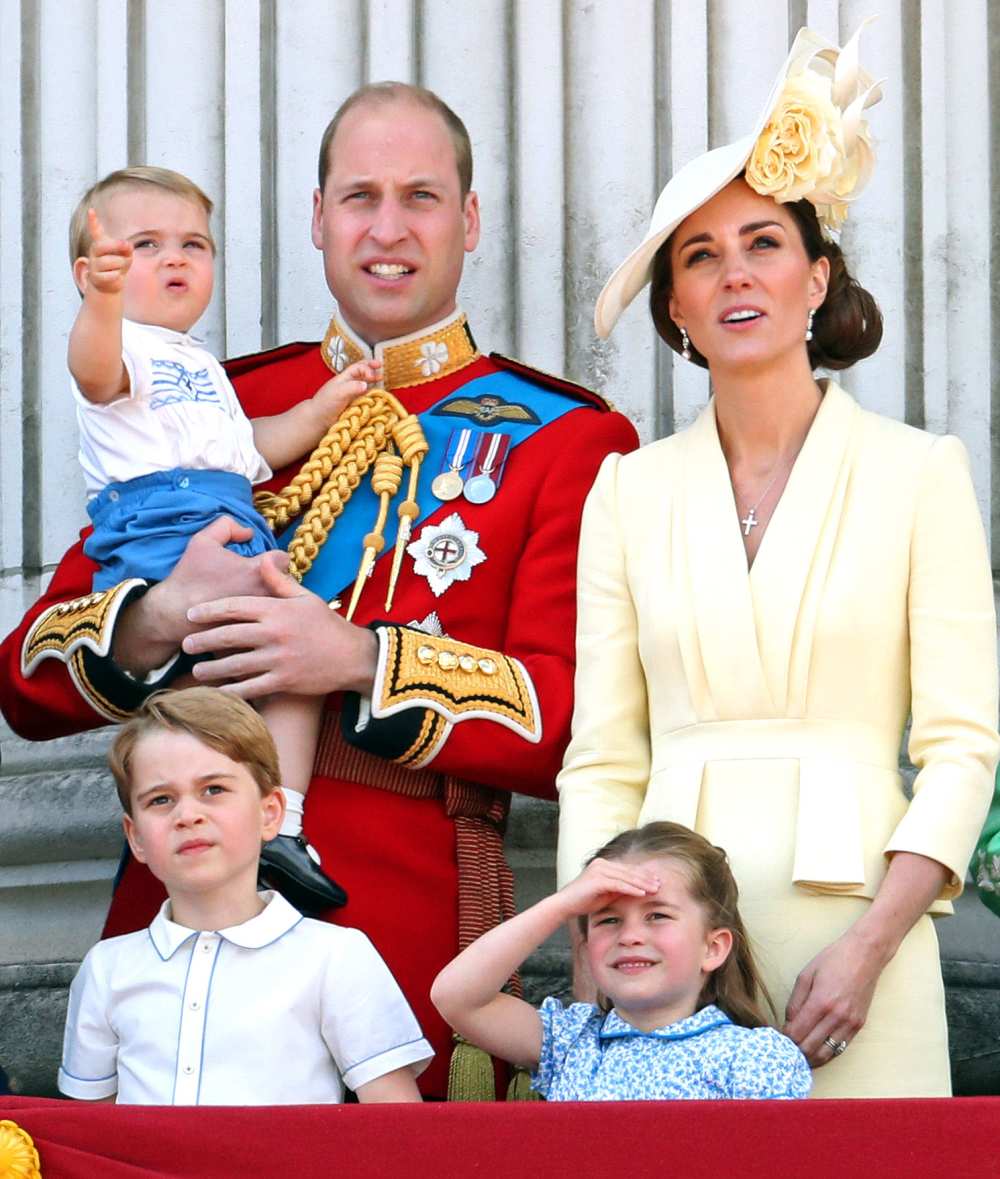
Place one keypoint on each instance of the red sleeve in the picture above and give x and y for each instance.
(47, 703)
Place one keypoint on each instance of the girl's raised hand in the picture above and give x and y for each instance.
(337, 394)
(603, 880)
(108, 260)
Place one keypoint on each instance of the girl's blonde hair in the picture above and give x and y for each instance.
(736, 987)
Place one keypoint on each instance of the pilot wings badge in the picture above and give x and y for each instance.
(487, 410)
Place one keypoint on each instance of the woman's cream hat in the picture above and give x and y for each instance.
(810, 142)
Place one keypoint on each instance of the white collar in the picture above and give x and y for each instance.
(614, 1027)
(167, 335)
(273, 921)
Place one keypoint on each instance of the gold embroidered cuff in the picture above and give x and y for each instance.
(456, 681)
(67, 627)
(79, 633)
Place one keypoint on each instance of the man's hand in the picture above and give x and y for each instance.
(150, 631)
(108, 260)
(289, 642)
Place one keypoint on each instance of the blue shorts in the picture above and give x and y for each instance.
(142, 526)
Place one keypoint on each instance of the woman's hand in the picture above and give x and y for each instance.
(831, 996)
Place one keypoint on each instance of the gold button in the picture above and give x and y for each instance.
(426, 654)
(466, 663)
(487, 667)
(447, 660)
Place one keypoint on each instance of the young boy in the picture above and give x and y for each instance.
(164, 444)
(230, 997)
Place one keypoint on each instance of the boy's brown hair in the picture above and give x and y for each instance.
(217, 719)
(139, 177)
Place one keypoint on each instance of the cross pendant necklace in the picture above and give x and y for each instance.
(750, 520)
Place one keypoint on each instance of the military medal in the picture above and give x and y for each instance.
(445, 553)
(448, 485)
(487, 465)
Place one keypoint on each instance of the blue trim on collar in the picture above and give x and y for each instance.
(705, 1020)
(276, 919)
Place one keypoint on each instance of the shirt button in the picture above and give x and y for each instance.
(189, 1069)
(113, 496)
(184, 482)
(206, 946)
(195, 1004)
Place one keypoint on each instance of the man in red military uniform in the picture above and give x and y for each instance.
(460, 690)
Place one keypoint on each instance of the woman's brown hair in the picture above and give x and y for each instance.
(847, 326)
(735, 987)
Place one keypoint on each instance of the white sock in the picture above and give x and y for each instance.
(292, 822)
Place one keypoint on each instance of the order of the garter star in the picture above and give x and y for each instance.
(445, 553)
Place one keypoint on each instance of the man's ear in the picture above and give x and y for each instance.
(132, 835)
(718, 944)
(470, 213)
(317, 219)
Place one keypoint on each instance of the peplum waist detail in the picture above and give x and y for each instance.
(778, 738)
(849, 795)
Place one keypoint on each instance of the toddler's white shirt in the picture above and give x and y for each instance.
(280, 1010)
(181, 411)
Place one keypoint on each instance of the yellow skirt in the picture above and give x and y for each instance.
(902, 1050)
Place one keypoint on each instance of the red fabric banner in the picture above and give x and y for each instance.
(685, 1140)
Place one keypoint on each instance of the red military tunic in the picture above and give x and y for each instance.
(403, 805)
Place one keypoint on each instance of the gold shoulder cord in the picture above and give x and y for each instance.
(369, 432)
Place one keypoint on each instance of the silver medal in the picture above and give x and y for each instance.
(480, 489)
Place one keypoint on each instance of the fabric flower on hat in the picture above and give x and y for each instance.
(815, 145)
(800, 148)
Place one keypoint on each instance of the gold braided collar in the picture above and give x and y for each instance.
(441, 349)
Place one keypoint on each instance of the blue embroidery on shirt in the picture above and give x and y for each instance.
(172, 382)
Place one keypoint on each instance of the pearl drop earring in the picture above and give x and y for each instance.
(809, 324)
(686, 349)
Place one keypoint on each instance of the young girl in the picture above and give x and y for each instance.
(666, 945)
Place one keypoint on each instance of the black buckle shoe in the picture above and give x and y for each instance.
(287, 866)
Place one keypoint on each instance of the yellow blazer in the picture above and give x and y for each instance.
(870, 596)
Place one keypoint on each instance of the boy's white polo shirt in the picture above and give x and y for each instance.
(280, 1010)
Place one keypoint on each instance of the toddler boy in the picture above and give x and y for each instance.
(164, 444)
(230, 997)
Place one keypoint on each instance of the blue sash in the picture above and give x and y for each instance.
(336, 564)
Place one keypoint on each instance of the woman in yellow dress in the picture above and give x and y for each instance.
(767, 596)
